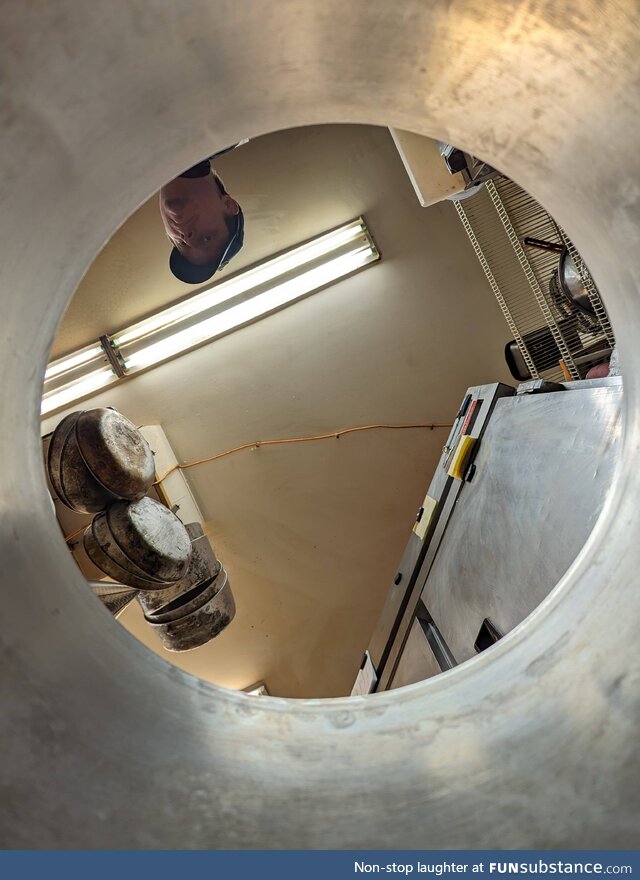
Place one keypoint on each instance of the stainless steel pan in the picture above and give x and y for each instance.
(96, 458)
(196, 617)
(152, 537)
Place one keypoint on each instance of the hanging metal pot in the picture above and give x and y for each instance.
(70, 478)
(116, 453)
(203, 566)
(567, 286)
(98, 457)
(139, 543)
(196, 617)
(54, 454)
(195, 610)
(152, 537)
(110, 567)
(106, 554)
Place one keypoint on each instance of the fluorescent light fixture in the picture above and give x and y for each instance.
(81, 357)
(256, 307)
(225, 306)
(252, 278)
(75, 390)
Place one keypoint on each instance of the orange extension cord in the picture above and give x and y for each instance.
(256, 444)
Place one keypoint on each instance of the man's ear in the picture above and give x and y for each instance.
(230, 204)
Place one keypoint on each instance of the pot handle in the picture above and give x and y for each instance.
(543, 245)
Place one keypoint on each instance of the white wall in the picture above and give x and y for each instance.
(310, 533)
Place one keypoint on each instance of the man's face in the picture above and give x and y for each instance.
(195, 216)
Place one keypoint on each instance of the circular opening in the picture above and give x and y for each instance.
(513, 754)
(468, 289)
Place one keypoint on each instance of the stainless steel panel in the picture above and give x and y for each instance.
(395, 602)
(107, 101)
(444, 489)
(417, 661)
(544, 467)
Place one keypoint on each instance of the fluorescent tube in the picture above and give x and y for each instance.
(225, 306)
(226, 290)
(250, 309)
(73, 361)
(73, 391)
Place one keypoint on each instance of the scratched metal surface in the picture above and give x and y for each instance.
(543, 471)
(105, 745)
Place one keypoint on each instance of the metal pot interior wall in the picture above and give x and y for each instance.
(102, 743)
